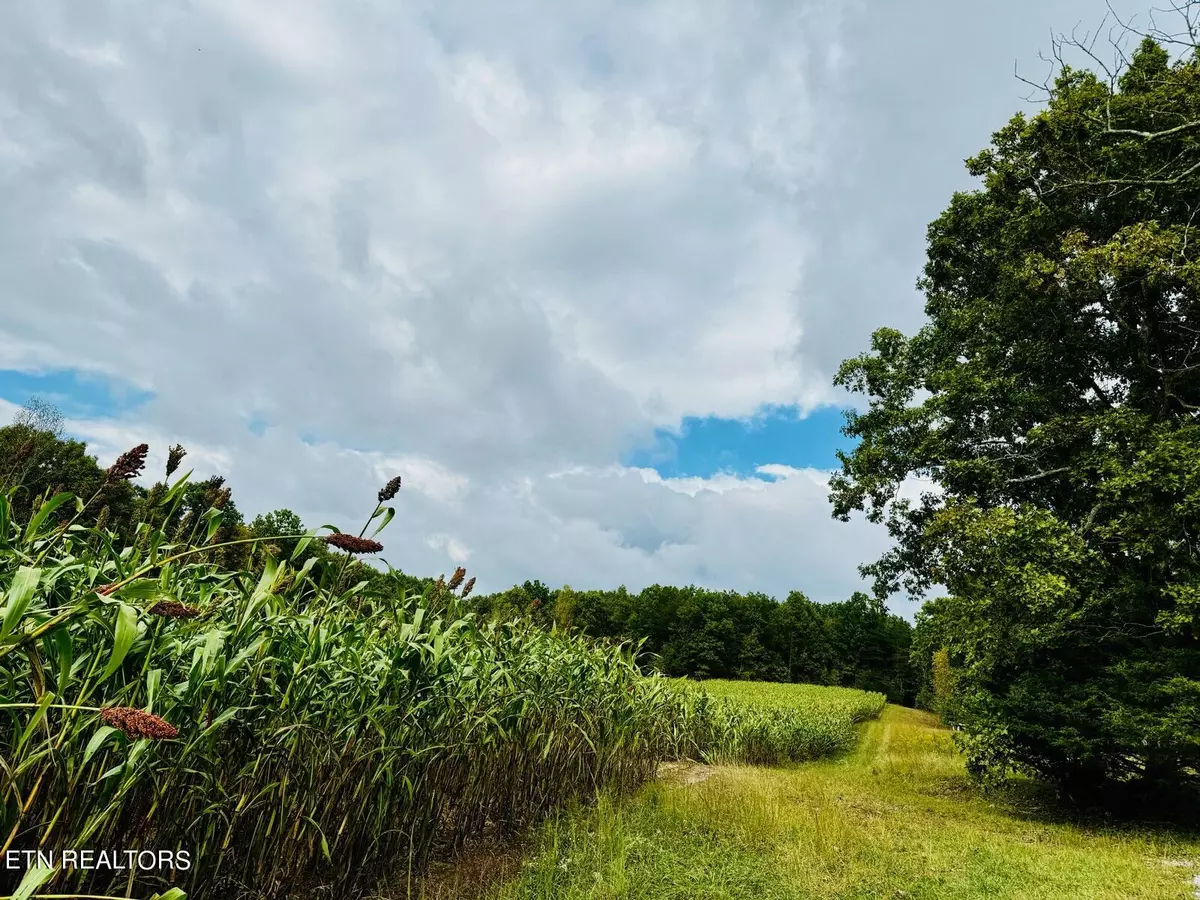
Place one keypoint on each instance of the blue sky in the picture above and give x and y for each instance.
(78, 395)
(703, 447)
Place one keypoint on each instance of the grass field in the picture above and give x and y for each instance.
(895, 818)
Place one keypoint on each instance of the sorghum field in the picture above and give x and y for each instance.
(293, 732)
(769, 723)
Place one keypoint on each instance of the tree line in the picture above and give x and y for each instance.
(701, 633)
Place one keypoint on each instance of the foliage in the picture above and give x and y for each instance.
(322, 734)
(36, 462)
(1051, 402)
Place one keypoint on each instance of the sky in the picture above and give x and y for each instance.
(580, 273)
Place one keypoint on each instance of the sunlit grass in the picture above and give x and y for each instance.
(895, 818)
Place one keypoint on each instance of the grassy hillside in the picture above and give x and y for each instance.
(896, 818)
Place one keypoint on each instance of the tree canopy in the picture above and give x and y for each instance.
(1051, 404)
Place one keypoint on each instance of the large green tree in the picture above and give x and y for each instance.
(1051, 401)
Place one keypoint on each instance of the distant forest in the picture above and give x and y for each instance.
(703, 633)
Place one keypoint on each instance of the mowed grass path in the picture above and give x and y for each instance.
(894, 818)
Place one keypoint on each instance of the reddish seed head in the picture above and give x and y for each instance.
(352, 544)
(173, 609)
(389, 490)
(456, 579)
(467, 587)
(137, 723)
(129, 464)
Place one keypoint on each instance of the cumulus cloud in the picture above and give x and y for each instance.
(489, 247)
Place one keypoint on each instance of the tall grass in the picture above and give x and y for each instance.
(322, 736)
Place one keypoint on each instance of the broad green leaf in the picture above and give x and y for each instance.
(20, 594)
(302, 544)
(390, 514)
(36, 718)
(177, 489)
(153, 680)
(103, 733)
(142, 589)
(123, 638)
(221, 718)
(47, 509)
(213, 516)
(60, 640)
(34, 879)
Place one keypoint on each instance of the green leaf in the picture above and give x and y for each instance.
(20, 594)
(221, 718)
(153, 680)
(125, 634)
(5, 515)
(176, 490)
(302, 544)
(142, 589)
(390, 514)
(213, 516)
(34, 879)
(60, 640)
(98, 739)
(47, 509)
(172, 894)
(36, 718)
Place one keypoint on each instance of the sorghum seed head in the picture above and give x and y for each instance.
(155, 495)
(137, 723)
(185, 523)
(213, 485)
(175, 456)
(457, 578)
(467, 587)
(129, 464)
(352, 544)
(388, 491)
(173, 609)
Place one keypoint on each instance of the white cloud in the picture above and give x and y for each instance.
(482, 244)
